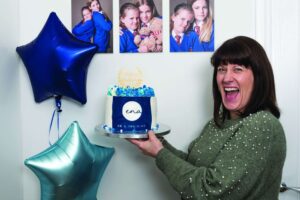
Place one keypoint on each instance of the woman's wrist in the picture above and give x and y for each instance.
(159, 150)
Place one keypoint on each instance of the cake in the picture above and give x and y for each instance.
(130, 110)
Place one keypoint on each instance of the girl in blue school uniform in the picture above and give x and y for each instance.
(182, 40)
(203, 24)
(84, 30)
(103, 26)
(129, 23)
(149, 16)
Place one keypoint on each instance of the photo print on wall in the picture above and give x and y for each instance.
(191, 25)
(92, 21)
(141, 26)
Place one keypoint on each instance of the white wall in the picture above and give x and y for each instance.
(280, 36)
(182, 79)
(10, 121)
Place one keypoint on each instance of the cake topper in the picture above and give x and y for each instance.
(130, 77)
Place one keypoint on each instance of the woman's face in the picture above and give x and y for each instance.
(145, 13)
(200, 9)
(95, 6)
(235, 83)
(86, 15)
(131, 19)
(182, 21)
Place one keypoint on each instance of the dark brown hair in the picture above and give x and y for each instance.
(89, 4)
(85, 8)
(149, 3)
(245, 51)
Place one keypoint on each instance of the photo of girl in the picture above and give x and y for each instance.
(182, 39)
(202, 24)
(129, 23)
(95, 24)
(84, 30)
(147, 35)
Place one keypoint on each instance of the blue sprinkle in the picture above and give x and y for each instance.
(143, 91)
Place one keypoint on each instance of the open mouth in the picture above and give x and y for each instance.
(231, 93)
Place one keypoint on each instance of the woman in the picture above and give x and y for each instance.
(84, 30)
(240, 153)
(102, 24)
(203, 24)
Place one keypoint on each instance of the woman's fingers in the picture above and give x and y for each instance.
(151, 135)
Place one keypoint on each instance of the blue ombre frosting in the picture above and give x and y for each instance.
(143, 91)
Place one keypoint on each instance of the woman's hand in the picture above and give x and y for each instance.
(149, 147)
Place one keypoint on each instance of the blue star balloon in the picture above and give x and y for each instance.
(71, 168)
(57, 62)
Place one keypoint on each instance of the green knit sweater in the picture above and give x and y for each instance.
(243, 160)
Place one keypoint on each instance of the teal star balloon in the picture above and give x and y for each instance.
(71, 168)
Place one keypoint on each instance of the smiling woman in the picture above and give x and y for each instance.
(233, 157)
(235, 82)
(242, 64)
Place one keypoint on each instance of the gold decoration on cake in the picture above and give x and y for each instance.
(130, 77)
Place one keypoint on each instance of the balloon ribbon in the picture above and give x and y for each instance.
(57, 110)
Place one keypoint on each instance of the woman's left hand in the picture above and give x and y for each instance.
(149, 147)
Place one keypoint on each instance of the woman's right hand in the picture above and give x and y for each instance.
(149, 147)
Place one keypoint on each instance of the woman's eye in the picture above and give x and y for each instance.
(220, 69)
(239, 68)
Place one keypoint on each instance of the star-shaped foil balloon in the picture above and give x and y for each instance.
(57, 62)
(71, 168)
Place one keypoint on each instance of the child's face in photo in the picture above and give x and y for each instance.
(86, 15)
(200, 9)
(95, 6)
(145, 13)
(131, 19)
(182, 21)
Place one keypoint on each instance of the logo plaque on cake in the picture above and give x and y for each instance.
(131, 114)
(131, 108)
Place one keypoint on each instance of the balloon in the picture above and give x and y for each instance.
(57, 62)
(71, 168)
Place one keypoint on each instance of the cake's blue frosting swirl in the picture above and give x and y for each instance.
(143, 91)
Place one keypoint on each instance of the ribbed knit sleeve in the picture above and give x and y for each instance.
(175, 151)
(236, 162)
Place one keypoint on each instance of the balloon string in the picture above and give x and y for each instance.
(57, 110)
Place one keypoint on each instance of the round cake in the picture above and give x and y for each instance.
(130, 110)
